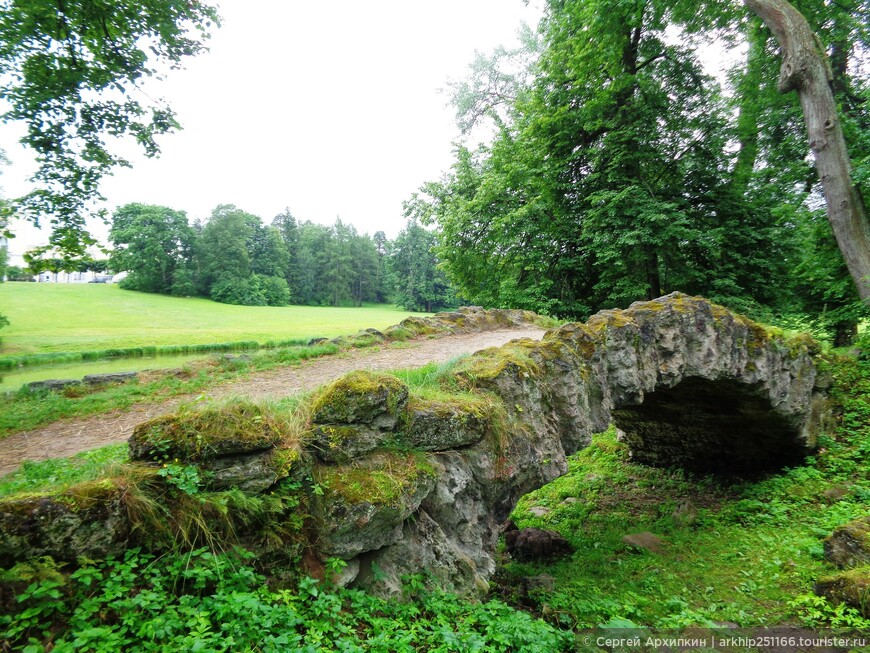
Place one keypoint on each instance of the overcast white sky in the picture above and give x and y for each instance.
(327, 108)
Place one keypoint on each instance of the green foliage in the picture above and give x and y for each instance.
(235, 259)
(203, 601)
(235, 290)
(275, 290)
(152, 243)
(69, 70)
(619, 171)
(817, 612)
(418, 283)
(186, 478)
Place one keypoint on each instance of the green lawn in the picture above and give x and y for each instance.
(50, 317)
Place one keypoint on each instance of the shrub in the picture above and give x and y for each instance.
(233, 290)
(274, 289)
(183, 284)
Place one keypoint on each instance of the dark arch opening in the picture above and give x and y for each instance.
(711, 427)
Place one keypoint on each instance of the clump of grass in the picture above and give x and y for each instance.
(60, 473)
(431, 377)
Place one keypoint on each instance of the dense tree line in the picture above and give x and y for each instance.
(621, 171)
(234, 258)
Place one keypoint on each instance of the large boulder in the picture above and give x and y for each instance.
(849, 545)
(850, 587)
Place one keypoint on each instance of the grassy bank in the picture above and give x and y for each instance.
(26, 410)
(47, 317)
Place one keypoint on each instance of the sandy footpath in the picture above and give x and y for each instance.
(70, 436)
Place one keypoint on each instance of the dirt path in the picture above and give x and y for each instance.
(70, 436)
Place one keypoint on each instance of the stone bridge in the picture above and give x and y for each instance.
(400, 481)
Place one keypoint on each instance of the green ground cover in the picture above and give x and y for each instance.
(746, 552)
(50, 317)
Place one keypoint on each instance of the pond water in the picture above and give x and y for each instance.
(12, 380)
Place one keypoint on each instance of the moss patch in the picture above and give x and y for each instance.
(360, 397)
(383, 481)
(202, 435)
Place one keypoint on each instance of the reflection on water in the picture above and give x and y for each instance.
(13, 380)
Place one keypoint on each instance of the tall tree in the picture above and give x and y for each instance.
(288, 229)
(805, 69)
(151, 243)
(611, 183)
(222, 249)
(418, 283)
(70, 72)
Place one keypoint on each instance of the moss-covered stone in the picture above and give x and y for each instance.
(849, 545)
(89, 519)
(206, 434)
(341, 443)
(849, 587)
(362, 398)
(398, 333)
(447, 423)
(581, 338)
(418, 326)
(485, 367)
(363, 505)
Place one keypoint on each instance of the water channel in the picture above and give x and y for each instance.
(12, 380)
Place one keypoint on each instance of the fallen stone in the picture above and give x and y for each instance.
(530, 544)
(646, 541)
(52, 384)
(837, 492)
(120, 377)
(849, 545)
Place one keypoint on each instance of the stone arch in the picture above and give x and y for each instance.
(688, 382)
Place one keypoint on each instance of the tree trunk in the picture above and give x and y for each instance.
(805, 70)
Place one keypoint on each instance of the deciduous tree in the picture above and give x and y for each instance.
(71, 71)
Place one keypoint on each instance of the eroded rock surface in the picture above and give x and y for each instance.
(403, 483)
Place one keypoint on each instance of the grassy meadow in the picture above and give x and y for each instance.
(50, 317)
